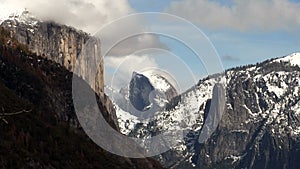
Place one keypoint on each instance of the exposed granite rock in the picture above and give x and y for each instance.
(75, 50)
(64, 45)
(140, 89)
(42, 137)
(259, 127)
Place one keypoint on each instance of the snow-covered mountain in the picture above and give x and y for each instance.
(293, 59)
(260, 126)
(147, 93)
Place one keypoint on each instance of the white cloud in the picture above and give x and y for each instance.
(87, 15)
(265, 15)
(118, 70)
(91, 16)
(129, 45)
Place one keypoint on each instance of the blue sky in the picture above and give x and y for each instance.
(237, 47)
(242, 32)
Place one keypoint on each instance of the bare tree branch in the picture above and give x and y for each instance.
(3, 119)
(2, 115)
(16, 113)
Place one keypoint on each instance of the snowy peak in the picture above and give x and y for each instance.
(161, 84)
(27, 18)
(293, 59)
(150, 85)
(22, 17)
(136, 75)
(7, 13)
(15, 20)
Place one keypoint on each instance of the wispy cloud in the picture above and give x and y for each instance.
(119, 69)
(264, 15)
(229, 58)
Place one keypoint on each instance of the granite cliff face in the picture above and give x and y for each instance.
(61, 44)
(39, 128)
(140, 89)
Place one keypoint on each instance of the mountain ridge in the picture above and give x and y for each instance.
(259, 98)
